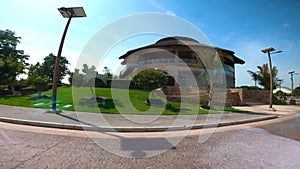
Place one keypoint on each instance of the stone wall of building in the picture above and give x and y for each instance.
(261, 96)
(243, 96)
(234, 97)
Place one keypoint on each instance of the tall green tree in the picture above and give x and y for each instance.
(13, 62)
(76, 78)
(89, 77)
(37, 79)
(297, 91)
(48, 66)
(107, 74)
(85, 79)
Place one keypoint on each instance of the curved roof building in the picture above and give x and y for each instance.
(182, 59)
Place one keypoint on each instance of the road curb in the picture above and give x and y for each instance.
(130, 129)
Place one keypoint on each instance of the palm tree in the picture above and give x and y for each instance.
(254, 76)
(264, 76)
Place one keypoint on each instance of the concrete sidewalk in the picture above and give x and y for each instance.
(281, 110)
(135, 123)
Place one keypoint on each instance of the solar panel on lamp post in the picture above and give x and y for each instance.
(270, 51)
(66, 13)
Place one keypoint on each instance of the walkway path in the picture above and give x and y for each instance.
(135, 123)
(281, 110)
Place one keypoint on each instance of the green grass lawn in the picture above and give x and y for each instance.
(69, 98)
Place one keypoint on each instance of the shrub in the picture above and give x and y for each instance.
(149, 79)
(276, 101)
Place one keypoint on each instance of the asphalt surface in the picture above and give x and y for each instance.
(289, 129)
(267, 144)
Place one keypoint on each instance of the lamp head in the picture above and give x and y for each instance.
(291, 72)
(74, 12)
(268, 50)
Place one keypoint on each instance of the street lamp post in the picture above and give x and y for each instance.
(66, 13)
(292, 73)
(270, 51)
(280, 82)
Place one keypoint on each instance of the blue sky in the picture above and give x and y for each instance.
(242, 26)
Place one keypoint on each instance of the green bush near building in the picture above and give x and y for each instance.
(276, 101)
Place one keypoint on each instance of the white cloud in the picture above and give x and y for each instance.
(156, 5)
(170, 13)
(286, 25)
(161, 8)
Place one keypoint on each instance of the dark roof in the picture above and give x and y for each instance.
(176, 40)
(238, 60)
(179, 40)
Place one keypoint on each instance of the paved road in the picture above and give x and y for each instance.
(269, 144)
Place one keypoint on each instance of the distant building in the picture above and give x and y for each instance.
(175, 54)
(284, 90)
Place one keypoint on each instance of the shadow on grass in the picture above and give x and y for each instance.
(38, 98)
(172, 108)
(6, 97)
(107, 104)
(11, 96)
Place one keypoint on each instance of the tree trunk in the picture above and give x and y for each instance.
(12, 87)
(40, 93)
(152, 94)
(92, 91)
(210, 96)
